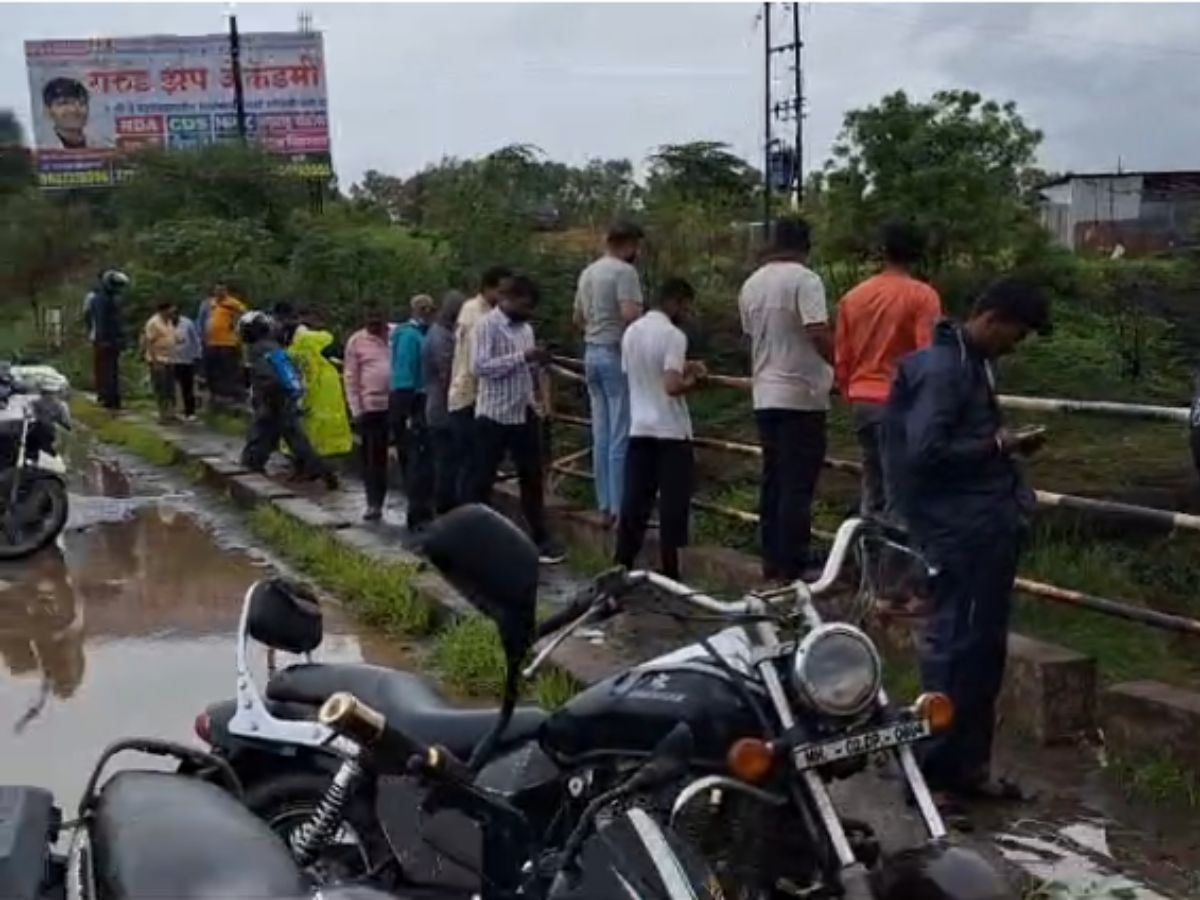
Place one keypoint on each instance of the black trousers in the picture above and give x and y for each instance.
(410, 435)
(375, 435)
(223, 369)
(662, 470)
(106, 373)
(493, 441)
(185, 377)
(277, 419)
(793, 444)
(447, 468)
(964, 649)
(462, 429)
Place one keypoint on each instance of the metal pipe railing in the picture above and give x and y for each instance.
(1146, 514)
(1092, 602)
(1179, 414)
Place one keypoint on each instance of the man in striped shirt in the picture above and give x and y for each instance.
(505, 359)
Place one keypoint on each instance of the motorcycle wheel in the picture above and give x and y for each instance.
(359, 849)
(38, 518)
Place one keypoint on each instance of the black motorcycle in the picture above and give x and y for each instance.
(780, 703)
(150, 834)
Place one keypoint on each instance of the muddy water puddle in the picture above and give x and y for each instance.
(127, 628)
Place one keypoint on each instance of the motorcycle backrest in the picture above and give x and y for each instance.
(285, 615)
(495, 567)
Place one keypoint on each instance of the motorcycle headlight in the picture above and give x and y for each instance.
(837, 669)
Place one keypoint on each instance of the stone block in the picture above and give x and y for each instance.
(1144, 718)
(252, 489)
(1049, 691)
(310, 512)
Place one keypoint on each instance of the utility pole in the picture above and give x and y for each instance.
(766, 14)
(791, 109)
(239, 94)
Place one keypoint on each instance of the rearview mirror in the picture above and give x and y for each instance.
(494, 565)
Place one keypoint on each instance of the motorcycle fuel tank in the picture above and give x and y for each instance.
(630, 713)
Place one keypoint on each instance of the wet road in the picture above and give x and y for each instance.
(128, 629)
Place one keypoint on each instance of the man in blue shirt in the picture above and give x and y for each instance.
(406, 408)
(953, 470)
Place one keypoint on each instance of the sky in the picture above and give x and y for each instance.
(411, 83)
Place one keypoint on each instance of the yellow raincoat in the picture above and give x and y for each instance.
(325, 420)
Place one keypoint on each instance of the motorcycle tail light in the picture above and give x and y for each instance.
(936, 709)
(203, 728)
(751, 760)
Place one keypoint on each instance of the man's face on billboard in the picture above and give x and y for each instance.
(69, 114)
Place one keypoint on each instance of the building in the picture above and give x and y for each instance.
(1130, 213)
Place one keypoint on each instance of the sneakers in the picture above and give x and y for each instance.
(550, 552)
(373, 514)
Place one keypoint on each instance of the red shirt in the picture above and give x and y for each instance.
(880, 321)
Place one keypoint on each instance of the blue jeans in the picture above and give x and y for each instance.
(608, 391)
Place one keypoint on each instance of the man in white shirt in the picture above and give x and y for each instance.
(784, 314)
(659, 460)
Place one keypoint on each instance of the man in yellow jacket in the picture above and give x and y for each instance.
(222, 346)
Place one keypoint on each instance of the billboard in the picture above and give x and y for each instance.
(95, 100)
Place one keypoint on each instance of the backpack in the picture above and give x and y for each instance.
(286, 372)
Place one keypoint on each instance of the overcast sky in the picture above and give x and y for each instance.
(409, 83)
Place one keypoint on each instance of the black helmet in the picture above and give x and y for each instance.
(939, 871)
(114, 279)
(254, 326)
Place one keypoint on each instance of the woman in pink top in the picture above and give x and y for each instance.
(368, 375)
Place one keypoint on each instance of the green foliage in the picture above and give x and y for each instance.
(342, 261)
(43, 240)
(133, 436)
(954, 164)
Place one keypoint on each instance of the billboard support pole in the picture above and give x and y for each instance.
(235, 60)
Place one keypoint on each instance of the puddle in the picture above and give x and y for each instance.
(127, 628)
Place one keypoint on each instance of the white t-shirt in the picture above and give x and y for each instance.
(651, 347)
(776, 304)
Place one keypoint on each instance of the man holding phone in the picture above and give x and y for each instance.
(953, 470)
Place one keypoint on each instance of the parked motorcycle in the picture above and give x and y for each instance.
(146, 835)
(780, 703)
(33, 485)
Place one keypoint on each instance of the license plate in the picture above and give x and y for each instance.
(861, 744)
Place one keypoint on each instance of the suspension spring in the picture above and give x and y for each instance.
(308, 839)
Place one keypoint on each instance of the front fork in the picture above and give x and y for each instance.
(853, 871)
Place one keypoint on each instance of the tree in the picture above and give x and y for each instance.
(16, 163)
(43, 240)
(954, 164)
(703, 171)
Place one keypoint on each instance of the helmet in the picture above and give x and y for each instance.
(253, 326)
(114, 279)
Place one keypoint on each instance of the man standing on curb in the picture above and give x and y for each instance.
(102, 316)
(406, 407)
(784, 315)
(880, 321)
(367, 372)
(506, 360)
(159, 342)
(608, 299)
(461, 397)
(437, 359)
(954, 475)
(660, 461)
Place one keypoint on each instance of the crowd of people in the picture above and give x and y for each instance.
(459, 386)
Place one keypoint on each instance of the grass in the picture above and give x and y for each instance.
(1157, 779)
(467, 655)
(132, 436)
(226, 423)
(380, 592)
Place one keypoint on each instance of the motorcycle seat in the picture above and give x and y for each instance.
(158, 834)
(409, 702)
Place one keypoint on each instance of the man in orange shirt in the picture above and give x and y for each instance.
(880, 321)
